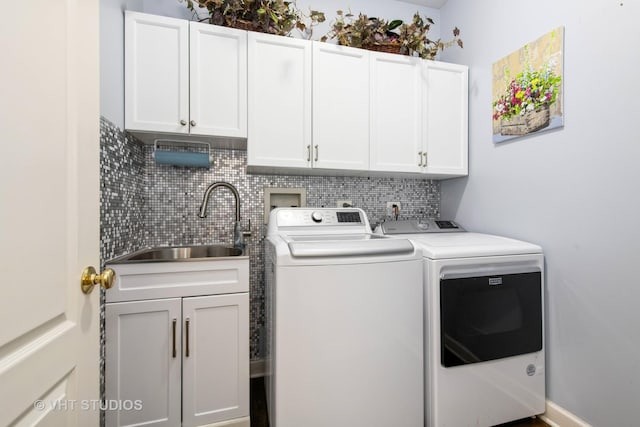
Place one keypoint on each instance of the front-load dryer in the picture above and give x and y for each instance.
(484, 327)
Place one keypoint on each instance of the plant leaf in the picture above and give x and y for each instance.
(460, 43)
(456, 32)
(395, 24)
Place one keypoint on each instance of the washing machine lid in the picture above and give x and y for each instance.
(340, 245)
(467, 245)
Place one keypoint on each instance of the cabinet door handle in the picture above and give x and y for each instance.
(183, 122)
(424, 162)
(186, 352)
(308, 153)
(173, 327)
(316, 158)
(192, 123)
(420, 158)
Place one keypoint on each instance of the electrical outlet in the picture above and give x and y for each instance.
(390, 208)
(344, 204)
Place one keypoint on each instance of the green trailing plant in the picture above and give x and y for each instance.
(306, 23)
(268, 16)
(350, 30)
(361, 31)
(415, 40)
(412, 39)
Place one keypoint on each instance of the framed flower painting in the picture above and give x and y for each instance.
(528, 89)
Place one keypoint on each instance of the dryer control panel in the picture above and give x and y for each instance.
(415, 226)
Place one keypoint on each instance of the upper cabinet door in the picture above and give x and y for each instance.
(340, 107)
(396, 113)
(280, 101)
(218, 78)
(446, 118)
(156, 73)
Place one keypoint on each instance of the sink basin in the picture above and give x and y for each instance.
(179, 253)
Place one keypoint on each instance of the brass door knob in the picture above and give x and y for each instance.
(90, 278)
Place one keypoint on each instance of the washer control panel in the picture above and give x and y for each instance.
(319, 217)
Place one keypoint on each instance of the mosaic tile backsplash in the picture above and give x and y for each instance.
(144, 204)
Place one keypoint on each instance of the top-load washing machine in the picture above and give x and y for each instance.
(344, 322)
(484, 341)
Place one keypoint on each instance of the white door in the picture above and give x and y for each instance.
(215, 370)
(280, 101)
(49, 217)
(396, 113)
(156, 79)
(218, 80)
(446, 118)
(144, 373)
(340, 107)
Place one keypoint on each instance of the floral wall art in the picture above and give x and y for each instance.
(527, 89)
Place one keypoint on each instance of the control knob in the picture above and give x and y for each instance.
(316, 217)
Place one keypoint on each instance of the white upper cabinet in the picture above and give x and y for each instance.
(304, 107)
(340, 107)
(446, 124)
(218, 80)
(184, 77)
(418, 116)
(156, 73)
(279, 101)
(397, 114)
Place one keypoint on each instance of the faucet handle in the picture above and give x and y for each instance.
(238, 236)
(247, 233)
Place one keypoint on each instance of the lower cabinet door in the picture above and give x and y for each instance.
(215, 358)
(142, 363)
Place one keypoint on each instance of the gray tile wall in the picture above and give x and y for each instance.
(145, 204)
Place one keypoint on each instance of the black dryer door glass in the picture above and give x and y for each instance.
(490, 317)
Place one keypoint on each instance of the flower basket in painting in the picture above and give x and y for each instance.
(529, 122)
(523, 107)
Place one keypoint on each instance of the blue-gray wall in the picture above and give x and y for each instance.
(574, 191)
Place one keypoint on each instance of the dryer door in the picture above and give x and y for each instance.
(490, 317)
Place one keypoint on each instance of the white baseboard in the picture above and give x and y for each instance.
(257, 368)
(557, 416)
(237, 422)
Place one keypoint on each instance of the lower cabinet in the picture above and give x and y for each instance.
(178, 361)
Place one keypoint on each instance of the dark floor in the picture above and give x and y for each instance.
(258, 403)
(259, 409)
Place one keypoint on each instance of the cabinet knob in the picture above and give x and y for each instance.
(192, 122)
(183, 122)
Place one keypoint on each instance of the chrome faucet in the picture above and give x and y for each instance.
(238, 236)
